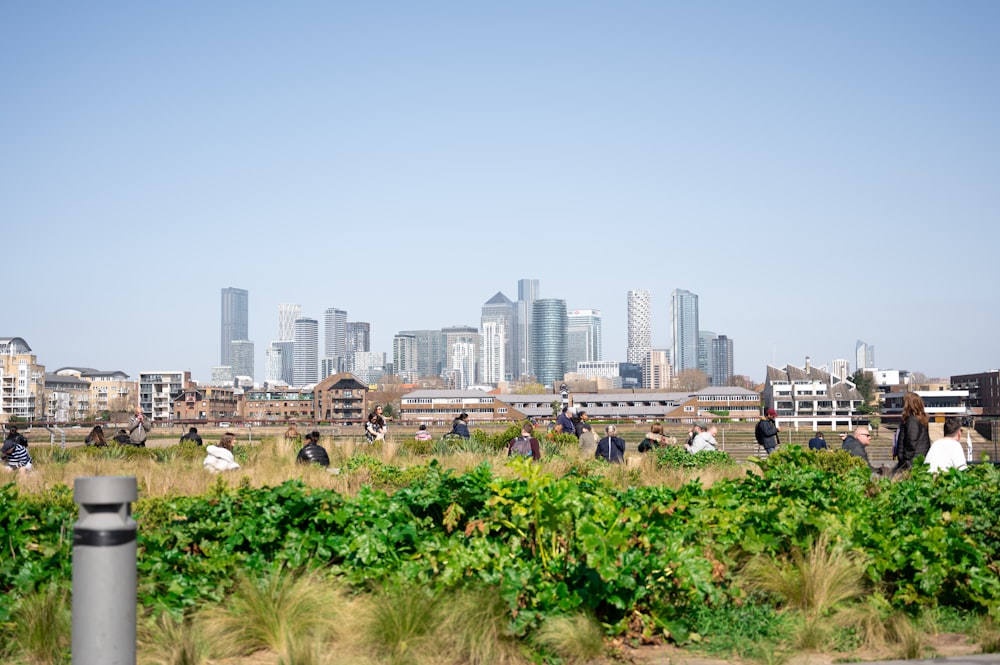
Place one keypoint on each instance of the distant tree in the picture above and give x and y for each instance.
(691, 380)
(866, 386)
(530, 389)
(918, 378)
(740, 381)
(556, 407)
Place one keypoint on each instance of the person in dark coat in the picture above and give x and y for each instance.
(312, 452)
(913, 438)
(818, 442)
(857, 444)
(565, 423)
(460, 426)
(192, 435)
(611, 448)
(767, 430)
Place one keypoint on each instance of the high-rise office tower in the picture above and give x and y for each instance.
(404, 357)
(335, 336)
(527, 293)
(358, 339)
(279, 361)
(656, 370)
(461, 335)
(840, 368)
(242, 357)
(864, 355)
(640, 326)
(305, 356)
(235, 321)
(429, 356)
(722, 361)
(287, 314)
(684, 330)
(705, 338)
(495, 327)
(548, 340)
(583, 337)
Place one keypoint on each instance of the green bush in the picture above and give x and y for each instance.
(675, 457)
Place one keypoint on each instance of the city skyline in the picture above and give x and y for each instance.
(812, 172)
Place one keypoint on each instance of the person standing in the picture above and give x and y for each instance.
(588, 441)
(564, 424)
(947, 453)
(818, 442)
(192, 435)
(138, 426)
(766, 431)
(857, 444)
(914, 439)
(525, 445)
(611, 448)
(654, 438)
(704, 441)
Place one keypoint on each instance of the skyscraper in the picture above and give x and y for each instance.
(429, 356)
(235, 321)
(335, 336)
(548, 340)
(722, 361)
(840, 368)
(656, 370)
(640, 326)
(583, 337)
(305, 356)
(287, 314)
(864, 355)
(404, 357)
(496, 326)
(527, 293)
(358, 339)
(242, 357)
(684, 330)
(469, 338)
(279, 361)
(705, 338)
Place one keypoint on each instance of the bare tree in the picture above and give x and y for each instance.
(691, 380)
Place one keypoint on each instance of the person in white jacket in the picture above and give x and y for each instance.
(220, 457)
(947, 453)
(704, 441)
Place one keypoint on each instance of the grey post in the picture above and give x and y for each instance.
(104, 572)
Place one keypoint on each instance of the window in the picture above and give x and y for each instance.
(688, 409)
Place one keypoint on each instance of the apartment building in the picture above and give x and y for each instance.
(277, 404)
(206, 404)
(340, 397)
(159, 390)
(22, 381)
(444, 405)
(811, 396)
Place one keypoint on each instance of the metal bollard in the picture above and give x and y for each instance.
(104, 572)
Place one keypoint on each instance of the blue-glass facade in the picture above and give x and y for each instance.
(549, 323)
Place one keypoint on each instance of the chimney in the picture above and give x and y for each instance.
(807, 364)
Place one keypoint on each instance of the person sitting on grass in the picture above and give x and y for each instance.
(422, 434)
(312, 452)
(15, 454)
(96, 438)
(220, 457)
(654, 439)
(122, 438)
(460, 426)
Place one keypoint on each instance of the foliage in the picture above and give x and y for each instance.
(676, 457)
(647, 562)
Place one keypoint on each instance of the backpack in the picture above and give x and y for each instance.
(520, 446)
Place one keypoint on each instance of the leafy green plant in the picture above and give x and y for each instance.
(675, 457)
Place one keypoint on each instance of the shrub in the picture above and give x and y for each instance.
(675, 457)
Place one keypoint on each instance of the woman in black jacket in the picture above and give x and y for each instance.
(312, 452)
(913, 437)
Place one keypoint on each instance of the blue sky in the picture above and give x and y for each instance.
(817, 172)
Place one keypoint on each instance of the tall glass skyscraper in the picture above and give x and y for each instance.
(549, 323)
(305, 354)
(495, 328)
(359, 335)
(235, 321)
(722, 361)
(684, 329)
(640, 326)
(335, 336)
(527, 293)
(583, 337)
